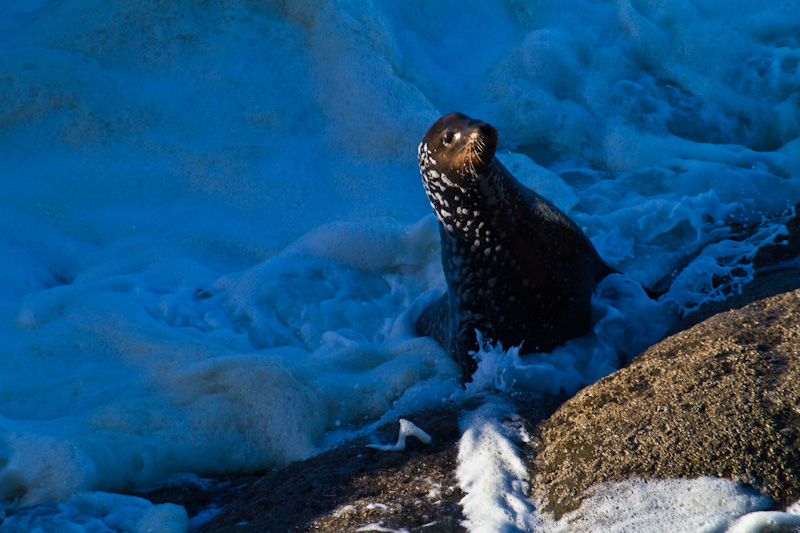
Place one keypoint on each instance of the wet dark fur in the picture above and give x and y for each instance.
(517, 268)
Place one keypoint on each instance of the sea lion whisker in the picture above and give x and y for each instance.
(473, 154)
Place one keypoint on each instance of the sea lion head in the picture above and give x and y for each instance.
(458, 143)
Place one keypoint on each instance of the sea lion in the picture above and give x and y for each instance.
(517, 268)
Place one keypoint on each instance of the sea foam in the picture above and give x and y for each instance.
(214, 238)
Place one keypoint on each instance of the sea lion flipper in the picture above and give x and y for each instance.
(435, 321)
(604, 270)
(466, 346)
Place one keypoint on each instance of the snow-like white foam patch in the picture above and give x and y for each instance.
(703, 505)
(492, 474)
(172, 371)
(377, 526)
(721, 269)
(769, 521)
(99, 512)
(766, 522)
(407, 429)
(157, 160)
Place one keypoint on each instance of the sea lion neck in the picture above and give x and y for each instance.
(457, 200)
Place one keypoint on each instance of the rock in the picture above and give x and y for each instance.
(719, 399)
(352, 486)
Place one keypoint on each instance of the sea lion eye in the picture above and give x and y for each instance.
(447, 138)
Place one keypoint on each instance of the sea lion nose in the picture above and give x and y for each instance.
(486, 133)
(480, 129)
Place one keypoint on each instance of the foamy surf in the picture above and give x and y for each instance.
(215, 240)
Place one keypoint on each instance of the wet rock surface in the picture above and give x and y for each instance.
(352, 486)
(719, 399)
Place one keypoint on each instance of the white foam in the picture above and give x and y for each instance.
(544, 182)
(245, 375)
(407, 429)
(158, 161)
(492, 474)
(703, 505)
(721, 269)
(377, 526)
(766, 522)
(495, 481)
(99, 512)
